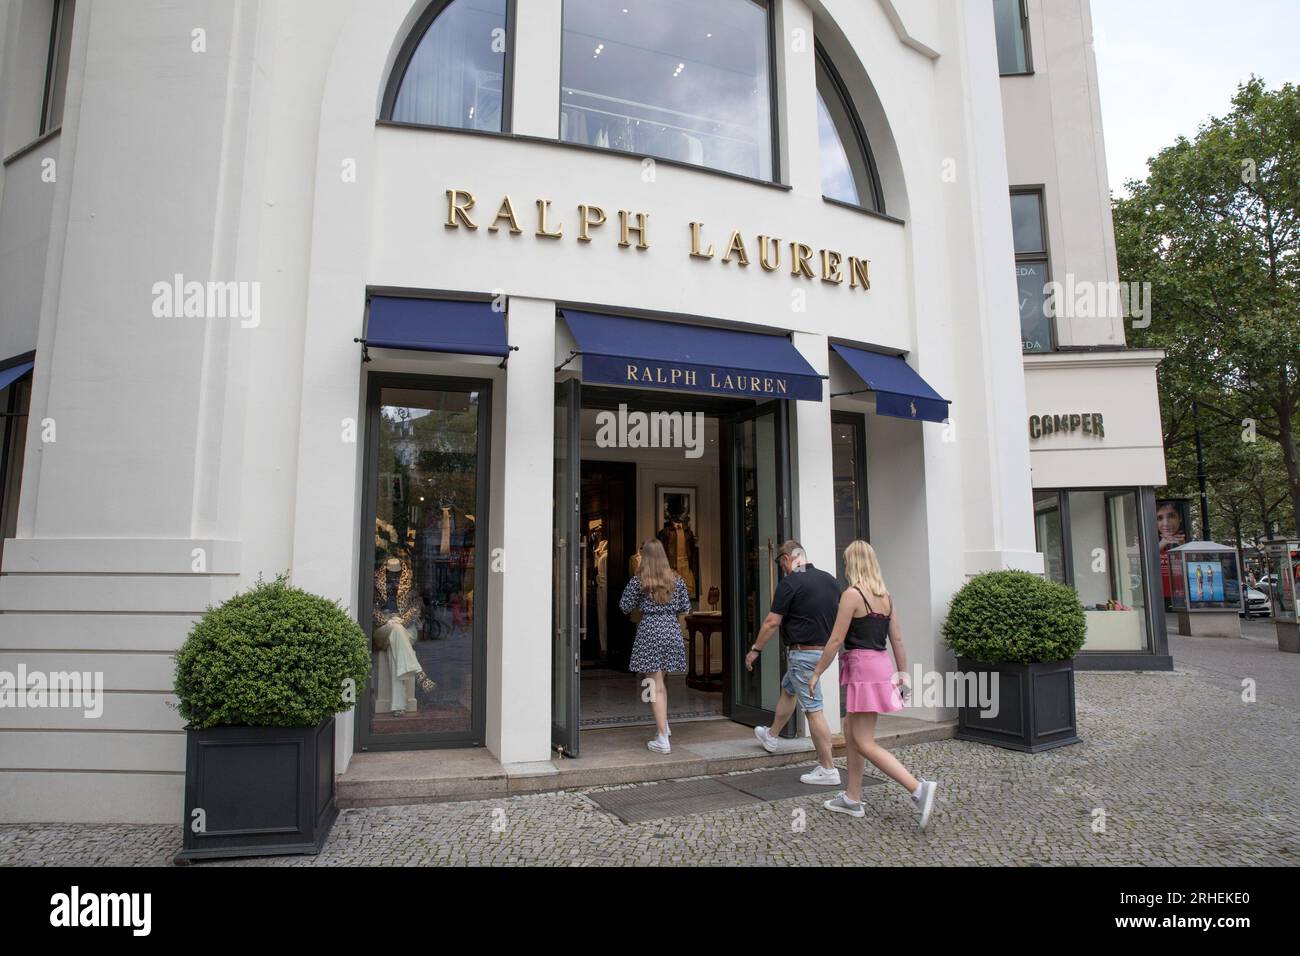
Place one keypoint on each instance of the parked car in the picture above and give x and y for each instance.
(1255, 603)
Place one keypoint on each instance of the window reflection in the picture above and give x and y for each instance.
(846, 170)
(687, 80)
(456, 75)
(422, 623)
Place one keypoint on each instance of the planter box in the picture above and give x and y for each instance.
(264, 791)
(1035, 706)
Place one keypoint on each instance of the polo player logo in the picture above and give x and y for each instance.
(913, 405)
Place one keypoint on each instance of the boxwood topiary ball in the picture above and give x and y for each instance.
(272, 656)
(1015, 617)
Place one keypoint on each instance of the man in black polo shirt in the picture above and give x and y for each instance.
(804, 609)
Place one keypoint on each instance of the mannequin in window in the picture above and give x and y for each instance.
(396, 621)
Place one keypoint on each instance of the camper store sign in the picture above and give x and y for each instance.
(1074, 423)
(770, 253)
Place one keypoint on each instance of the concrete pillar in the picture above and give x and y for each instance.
(519, 645)
(536, 81)
(813, 493)
(796, 70)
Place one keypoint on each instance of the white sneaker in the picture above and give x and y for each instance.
(660, 745)
(923, 800)
(819, 776)
(766, 739)
(841, 805)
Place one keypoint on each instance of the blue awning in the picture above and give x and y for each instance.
(436, 325)
(14, 373)
(690, 358)
(900, 391)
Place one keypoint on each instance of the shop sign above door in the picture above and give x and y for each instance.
(802, 261)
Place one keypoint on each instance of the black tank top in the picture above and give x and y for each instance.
(869, 632)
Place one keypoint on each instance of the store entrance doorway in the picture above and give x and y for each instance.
(712, 490)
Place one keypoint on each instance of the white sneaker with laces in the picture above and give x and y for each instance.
(819, 776)
(660, 745)
(766, 739)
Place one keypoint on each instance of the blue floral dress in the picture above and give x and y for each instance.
(658, 645)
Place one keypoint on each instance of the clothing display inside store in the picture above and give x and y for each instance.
(656, 494)
(422, 613)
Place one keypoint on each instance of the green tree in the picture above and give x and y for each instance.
(1215, 229)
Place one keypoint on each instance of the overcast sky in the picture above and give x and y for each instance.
(1164, 66)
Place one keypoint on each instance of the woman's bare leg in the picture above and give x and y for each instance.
(659, 702)
(857, 760)
(864, 731)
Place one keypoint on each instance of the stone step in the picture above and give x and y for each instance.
(609, 757)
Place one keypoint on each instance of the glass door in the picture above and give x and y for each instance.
(755, 478)
(567, 540)
(421, 580)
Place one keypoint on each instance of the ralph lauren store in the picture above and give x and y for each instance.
(538, 282)
(641, 329)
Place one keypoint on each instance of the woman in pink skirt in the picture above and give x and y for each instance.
(866, 623)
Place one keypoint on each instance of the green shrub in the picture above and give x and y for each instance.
(273, 656)
(1015, 617)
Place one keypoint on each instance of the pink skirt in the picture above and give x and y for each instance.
(866, 679)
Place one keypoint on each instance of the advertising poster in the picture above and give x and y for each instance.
(1173, 522)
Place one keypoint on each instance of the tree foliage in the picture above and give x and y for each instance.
(1215, 229)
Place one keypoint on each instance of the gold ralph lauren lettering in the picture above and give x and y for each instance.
(736, 247)
(696, 241)
(799, 256)
(589, 216)
(459, 203)
(506, 212)
(641, 229)
(543, 209)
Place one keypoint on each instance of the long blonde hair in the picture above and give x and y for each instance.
(657, 578)
(862, 569)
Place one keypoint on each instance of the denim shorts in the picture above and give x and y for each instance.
(799, 670)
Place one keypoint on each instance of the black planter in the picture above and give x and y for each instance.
(264, 791)
(1035, 706)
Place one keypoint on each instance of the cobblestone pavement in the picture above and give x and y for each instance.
(1182, 769)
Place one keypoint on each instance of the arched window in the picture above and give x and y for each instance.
(452, 70)
(848, 172)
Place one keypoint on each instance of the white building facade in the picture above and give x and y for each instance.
(361, 291)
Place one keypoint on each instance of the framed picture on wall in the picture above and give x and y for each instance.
(676, 515)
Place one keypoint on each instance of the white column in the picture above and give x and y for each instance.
(796, 70)
(535, 89)
(813, 493)
(519, 641)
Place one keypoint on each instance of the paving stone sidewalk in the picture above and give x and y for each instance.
(1180, 769)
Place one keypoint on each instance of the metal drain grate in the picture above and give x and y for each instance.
(674, 798)
(678, 798)
(783, 783)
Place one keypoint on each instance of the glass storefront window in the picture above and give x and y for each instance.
(687, 80)
(848, 476)
(1108, 571)
(1047, 532)
(425, 558)
(456, 75)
